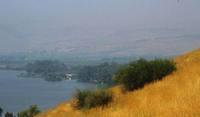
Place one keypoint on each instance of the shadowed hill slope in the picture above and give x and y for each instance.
(178, 94)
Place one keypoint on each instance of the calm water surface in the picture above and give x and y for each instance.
(17, 93)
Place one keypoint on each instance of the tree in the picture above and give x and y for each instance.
(141, 72)
(8, 114)
(1, 112)
(30, 112)
(101, 73)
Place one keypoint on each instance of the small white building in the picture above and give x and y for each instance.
(69, 76)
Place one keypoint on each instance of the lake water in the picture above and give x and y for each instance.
(17, 93)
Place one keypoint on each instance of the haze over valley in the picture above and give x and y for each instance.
(102, 58)
(98, 29)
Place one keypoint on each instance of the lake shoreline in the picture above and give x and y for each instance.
(19, 93)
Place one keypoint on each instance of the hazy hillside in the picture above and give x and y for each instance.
(176, 95)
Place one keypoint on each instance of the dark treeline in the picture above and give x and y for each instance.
(46, 66)
(32, 111)
(56, 71)
(47, 69)
(101, 73)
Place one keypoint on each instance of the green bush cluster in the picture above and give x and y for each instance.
(8, 114)
(1, 111)
(140, 72)
(89, 99)
(101, 73)
(30, 112)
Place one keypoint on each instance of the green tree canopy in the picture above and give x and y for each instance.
(1, 111)
(140, 72)
(30, 112)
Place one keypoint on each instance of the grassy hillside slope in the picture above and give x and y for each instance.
(177, 95)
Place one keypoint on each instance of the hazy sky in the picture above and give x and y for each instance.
(92, 27)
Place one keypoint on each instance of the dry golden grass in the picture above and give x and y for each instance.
(177, 95)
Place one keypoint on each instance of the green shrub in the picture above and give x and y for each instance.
(1, 111)
(30, 112)
(89, 99)
(141, 72)
(8, 114)
(161, 68)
